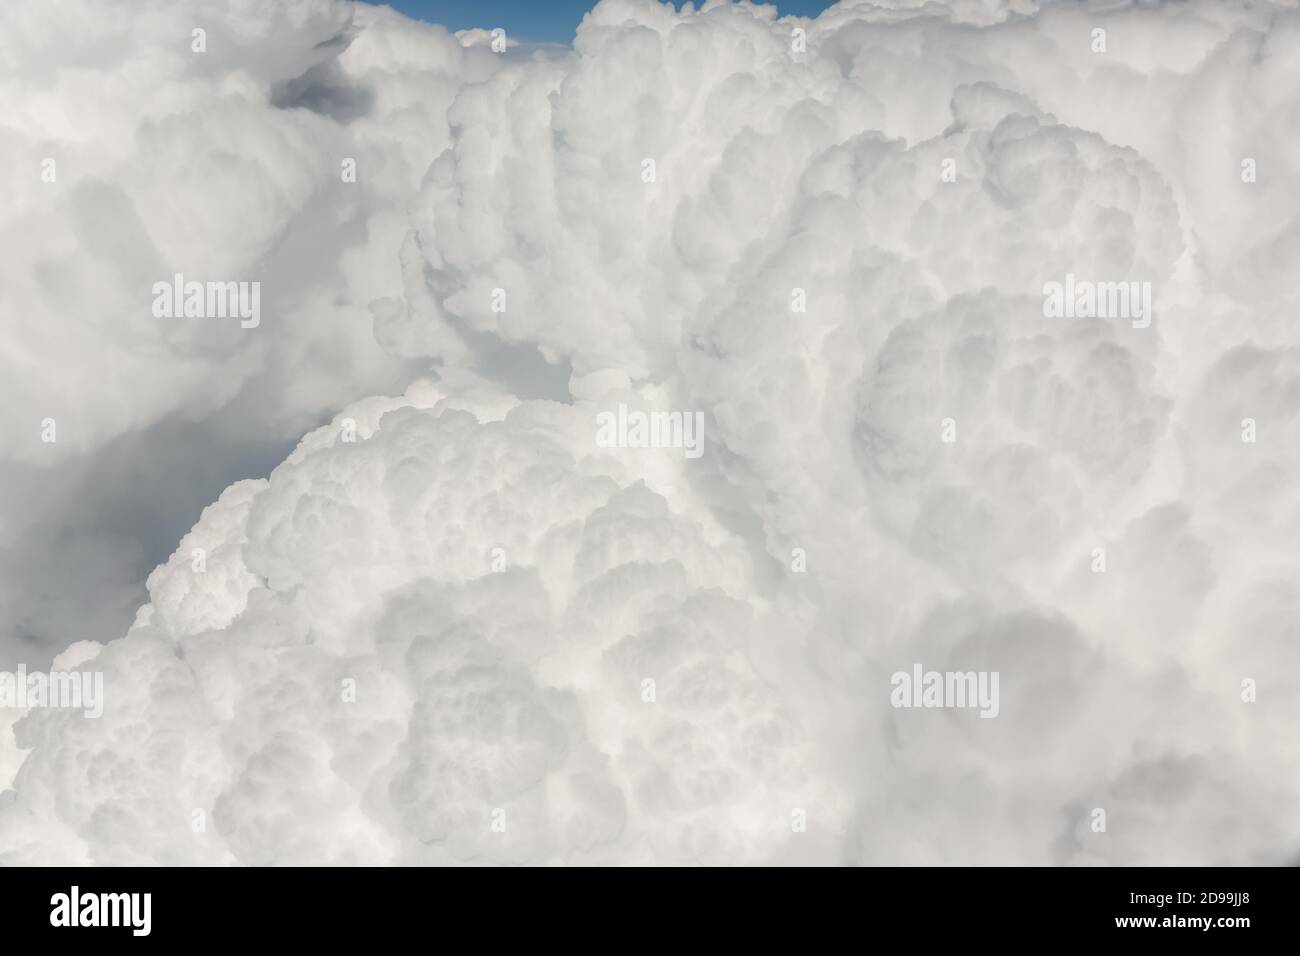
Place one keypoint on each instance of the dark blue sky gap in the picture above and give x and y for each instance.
(545, 20)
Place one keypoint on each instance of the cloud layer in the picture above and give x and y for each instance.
(829, 237)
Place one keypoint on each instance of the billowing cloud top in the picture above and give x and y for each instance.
(457, 626)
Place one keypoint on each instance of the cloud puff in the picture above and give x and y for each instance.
(913, 187)
(834, 246)
(511, 680)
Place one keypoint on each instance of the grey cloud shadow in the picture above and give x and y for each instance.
(324, 89)
(94, 529)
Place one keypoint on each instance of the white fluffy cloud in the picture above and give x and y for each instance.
(777, 174)
(518, 689)
(128, 157)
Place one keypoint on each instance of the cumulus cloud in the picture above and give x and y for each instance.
(132, 158)
(829, 237)
(522, 687)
